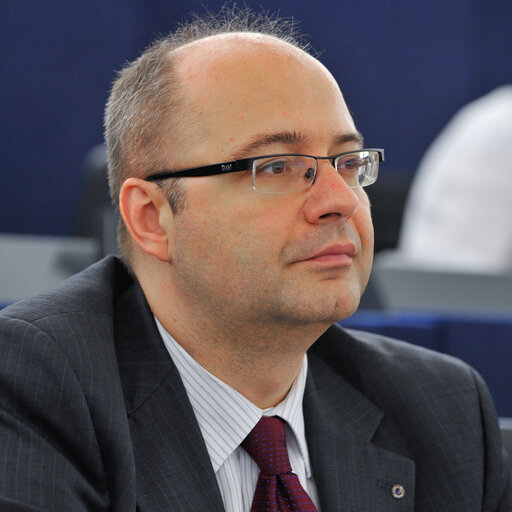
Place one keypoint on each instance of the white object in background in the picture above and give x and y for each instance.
(459, 211)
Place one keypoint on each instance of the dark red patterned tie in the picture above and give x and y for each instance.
(278, 489)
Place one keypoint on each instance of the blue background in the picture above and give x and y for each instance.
(405, 67)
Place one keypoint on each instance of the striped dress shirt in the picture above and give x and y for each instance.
(226, 417)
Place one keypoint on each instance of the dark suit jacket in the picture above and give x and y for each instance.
(94, 416)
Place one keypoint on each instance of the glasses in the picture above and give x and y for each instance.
(285, 173)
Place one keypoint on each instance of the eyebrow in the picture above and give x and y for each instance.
(259, 141)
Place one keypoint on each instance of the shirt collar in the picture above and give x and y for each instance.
(225, 416)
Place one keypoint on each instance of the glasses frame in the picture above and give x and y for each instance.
(246, 164)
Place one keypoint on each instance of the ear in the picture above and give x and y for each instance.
(147, 215)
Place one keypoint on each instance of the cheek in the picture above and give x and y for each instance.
(363, 222)
(231, 241)
(259, 237)
(270, 222)
(235, 231)
(364, 227)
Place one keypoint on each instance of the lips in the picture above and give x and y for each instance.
(337, 254)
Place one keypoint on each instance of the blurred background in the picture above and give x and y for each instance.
(405, 68)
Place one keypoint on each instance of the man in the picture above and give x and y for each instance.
(148, 391)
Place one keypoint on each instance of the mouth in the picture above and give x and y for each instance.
(334, 255)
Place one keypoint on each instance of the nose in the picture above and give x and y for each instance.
(330, 198)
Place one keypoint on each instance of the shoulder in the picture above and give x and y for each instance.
(60, 391)
(431, 395)
(69, 326)
(403, 378)
(64, 338)
(366, 349)
(436, 409)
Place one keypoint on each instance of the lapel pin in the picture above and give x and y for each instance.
(398, 491)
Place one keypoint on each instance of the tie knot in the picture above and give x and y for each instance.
(266, 444)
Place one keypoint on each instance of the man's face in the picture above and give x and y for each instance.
(269, 259)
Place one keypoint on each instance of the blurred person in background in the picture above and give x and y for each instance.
(459, 211)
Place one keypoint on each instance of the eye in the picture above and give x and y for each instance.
(273, 168)
(350, 163)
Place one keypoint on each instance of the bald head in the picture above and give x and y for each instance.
(164, 106)
(239, 87)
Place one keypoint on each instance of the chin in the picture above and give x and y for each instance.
(346, 311)
(343, 300)
(346, 304)
(329, 310)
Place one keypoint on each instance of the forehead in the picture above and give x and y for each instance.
(232, 49)
(237, 85)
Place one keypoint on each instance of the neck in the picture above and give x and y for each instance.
(261, 367)
(260, 361)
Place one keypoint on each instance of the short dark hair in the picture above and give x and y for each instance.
(146, 104)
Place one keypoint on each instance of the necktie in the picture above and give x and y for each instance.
(278, 489)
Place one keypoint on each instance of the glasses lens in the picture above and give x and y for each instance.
(283, 174)
(359, 169)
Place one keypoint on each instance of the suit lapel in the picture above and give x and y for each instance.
(173, 468)
(350, 472)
